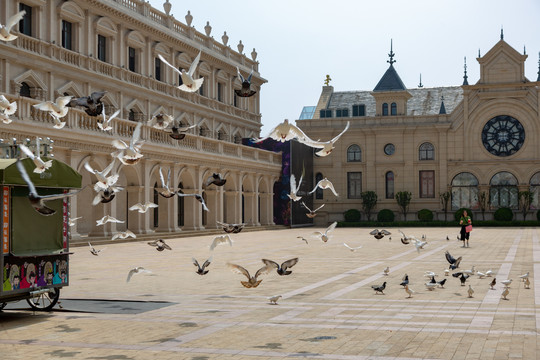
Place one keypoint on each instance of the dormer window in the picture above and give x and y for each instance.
(342, 112)
(359, 110)
(385, 109)
(393, 109)
(325, 113)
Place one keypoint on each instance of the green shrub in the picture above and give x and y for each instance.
(459, 213)
(425, 215)
(385, 215)
(538, 215)
(503, 214)
(352, 215)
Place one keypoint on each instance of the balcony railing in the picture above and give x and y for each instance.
(78, 121)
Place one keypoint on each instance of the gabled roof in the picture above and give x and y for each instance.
(390, 81)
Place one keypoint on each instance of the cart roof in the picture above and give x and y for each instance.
(59, 175)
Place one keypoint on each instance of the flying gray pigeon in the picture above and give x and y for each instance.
(92, 104)
(245, 91)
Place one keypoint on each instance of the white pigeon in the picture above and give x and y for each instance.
(481, 275)
(142, 208)
(5, 34)
(56, 109)
(386, 270)
(472, 271)
(41, 166)
(353, 249)
(324, 184)
(506, 282)
(312, 213)
(105, 125)
(166, 192)
(429, 274)
(5, 118)
(524, 276)
(129, 154)
(470, 291)
(284, 132)
(6, 107)
(124, 235)
(188, 83)
(107, 195)
(430, 286)
(446, 272)
(106, 219)
(222, 239)
(489, 273)
(72, 221)
(137, 270)
(294, 188)
(326, 235)
(95, 251)
(419, 244)
(409, 291)
(274, 299)
(326, 146)
(198, 197)
(104, 181)
(160, 121)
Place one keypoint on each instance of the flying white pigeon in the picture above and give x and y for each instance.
(312, 213)
(72, 221)
(294, 188)
(160, 121)
(188, 83)
(5, 34)
(7, 108)
(324, 184)
(56, 109)
(222, 239)
(137, 270)
(353, 249)
(326, 235)
(95, 251)
(129, 154)
(284, 132)
(124, 235)
(142, 208)
(104, 181)
(166, 185)
(41, 166)
(105, 125)
(106, 219)
(326, 146)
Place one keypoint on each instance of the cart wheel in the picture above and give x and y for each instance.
(45, 301)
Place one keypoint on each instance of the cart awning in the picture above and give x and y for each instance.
(59, 175)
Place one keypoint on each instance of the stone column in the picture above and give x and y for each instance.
(250, 208)
(232, 215)
(166, 213)
(192, 207)
(213, 204)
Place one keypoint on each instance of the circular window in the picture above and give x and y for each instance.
(503, 135)
(389, 149)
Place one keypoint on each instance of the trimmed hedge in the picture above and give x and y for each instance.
(538, 215)
(385, 215)
(352, 215)
(437, 223)
(425, 215)
(459, 213)
(503, 214)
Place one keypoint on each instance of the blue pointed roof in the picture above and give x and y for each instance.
(390, 81)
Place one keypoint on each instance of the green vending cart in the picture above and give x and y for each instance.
(35, 249)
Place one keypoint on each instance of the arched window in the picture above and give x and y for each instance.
(354, 153)
(503, 191)
(385, 109)
(25, 90)
(319, 191)
(389, 181)
(426, 152)
(180, 200)
(393, 109)
(464, 191)
(534, 188)
(156, 201)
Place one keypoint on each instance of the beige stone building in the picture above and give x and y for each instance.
(469, 139)
(78, 47)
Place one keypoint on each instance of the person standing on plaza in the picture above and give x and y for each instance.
(466, 228)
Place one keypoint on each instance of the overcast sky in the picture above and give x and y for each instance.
(300, 41)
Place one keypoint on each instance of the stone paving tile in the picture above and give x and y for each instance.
(329, 310)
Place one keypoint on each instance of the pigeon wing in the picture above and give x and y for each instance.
(264, 270)
(136, 135)
(26, 178)
(288, 264)
(239, 270)
(270, 264)
(62, 101)
(317, 209)
(130, 274)
(343, 132)
(449, 258)
(97, 95)
(12, 21)
(304, 205)
(194, 65)
(331, 227)
(207, 262)
(293, 184)
(60, 196)
(240, 75)
(27, 151)
(168, 64)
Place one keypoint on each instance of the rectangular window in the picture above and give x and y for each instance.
(157, 63)
(132, 63)
(25, 25)
(359, 110)
(325, 113)
(220, 92)
(354, 185)
(66, 35)
(235, 100)
(427, 184)
(102, 48)
(201, 89)
(342, 113)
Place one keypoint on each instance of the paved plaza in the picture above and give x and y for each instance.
(328, 309)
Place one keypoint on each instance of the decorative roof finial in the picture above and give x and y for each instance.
(391, 55)
(327, 81)
(442, 109)
(502, 33)
(465, 77)
(167, 7)
(538, 79)
(420, 85)
(479, 53)
(524, 50)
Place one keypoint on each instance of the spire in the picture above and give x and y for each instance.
(420, 85)
(538, 79)
(524, 50)
(442, 110)
(465, 77)
(391, 55)
(502, 33)
(479, 53)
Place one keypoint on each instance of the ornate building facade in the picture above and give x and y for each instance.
(78, 47)
(469, 140)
